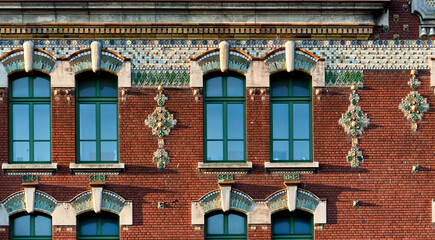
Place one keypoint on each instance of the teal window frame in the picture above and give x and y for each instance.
(98, 100)
(32, 228)
(292, 235)
(225, 235)
(30, 101)
(100, 216)
(225, 100)
(291, 100)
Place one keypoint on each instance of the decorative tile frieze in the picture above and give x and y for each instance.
(44, 202)
(83, 62)
(164, 77)
(241, 202)
(275, 62)
(304, 200)
(344, 78)
(277, 201)
(111, 202)
(82, 203)
(15, 203)
(211, 201)
(414, 105)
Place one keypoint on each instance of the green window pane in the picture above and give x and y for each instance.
(301, 150)
(301, 87)
(21, 152)
(215, 150)
(235, 121)
(301, 121)
(42, 151)
(109, 226)
(88, 226)
(214, 87)
(20, 123)
(236, 151)
(234, 87)
(215, 121)
(108, 88)
(215, 224)
(302, 224)
(41, 87)
(87, 87)
(281, 150)
(20, 87)
(41, 121)
(109, 151)
(281, 223)
(88, 151)
(280, 121)
(280, 87)
(108, 121)
(22, 226)
(236, 224)
(88, 122)
(42, 226)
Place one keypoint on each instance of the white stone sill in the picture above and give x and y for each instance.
(27, 168)
(291, 165)
(223, 167)
(97, 168)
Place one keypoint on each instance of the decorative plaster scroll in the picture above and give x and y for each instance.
(290, 48)
(224, 55)
(354, 121)
(225, 195)
(83, 61)
(96, 56)
(29, 197)
(97, 196)
(28, 48)
(414, 105)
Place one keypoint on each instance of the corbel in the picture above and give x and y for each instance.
(292, 194)
(96, 56)
(290, 48)
(97, 195)
(225, 187)
(224, 55)
(29, 48)
(29, 195)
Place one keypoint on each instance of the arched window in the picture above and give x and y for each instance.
(224, 119)
(31, 226)
(97, 121)
(228, 225)
(98, 226)
(30, 119)
(292, 225)
(291, 118)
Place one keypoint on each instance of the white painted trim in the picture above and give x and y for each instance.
(225, 166)
(25, 168)
(196, 75)
(64, 215)
(320, 214)
(257, 75)
(197, 214)
(126, 215)
(62, 75)
(291, 165)
(3, 76)
(260, 214)
(80, 168)
(124, 75)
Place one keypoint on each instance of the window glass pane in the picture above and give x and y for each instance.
(301, 87)
(41, 87)
(21, 152)
(109, 150)
(302, 224)
(279, 87)
(20, 87)
(109, 226)
(301, 150)
(281, 224)
(215, 224)
(280, 121)
(41, 121)
(215, 121)
(88, 225)
(236, 224)
(108, 121)
(215, 150)
(20, 123)
(301, 121)
(88, 151)
(42, 226)
(87, 88)
(22, 226)
(87, 122)
(234, 87)
(281, 150)
(42, 152)
(235, 151)
(109, 87)
(235, 121)
(214, 87)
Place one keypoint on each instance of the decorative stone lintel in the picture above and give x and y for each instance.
(292, 193)
(287, 166)
(29, 196)
(20, 169)
(224, 55)
(225, 167)
(28, 48)
(290, 47)
(225, 187)
(114, 168)
(96, 56)
(97, 195)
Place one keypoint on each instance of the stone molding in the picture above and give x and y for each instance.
(286, 166)
(114, 168)
(225, 167)
(25, 169)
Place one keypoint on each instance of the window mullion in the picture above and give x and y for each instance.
(31, 132)
(225, 131)
(32, 225)
(98, 133)
(290, 134)
(99, 228)
(30, 83)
